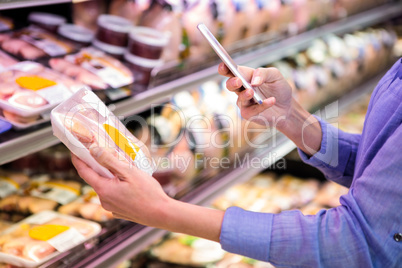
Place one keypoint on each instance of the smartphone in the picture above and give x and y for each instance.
(218, 48)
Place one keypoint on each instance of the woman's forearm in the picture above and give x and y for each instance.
(190, 219)
(302, 128)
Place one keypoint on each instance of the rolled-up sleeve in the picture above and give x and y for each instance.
(246, 233)
(290, 239)
(337, 156)
(359, 233)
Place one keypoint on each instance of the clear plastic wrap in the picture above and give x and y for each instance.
(94, 68)
(28, 89)
(83, 122)
(42, 237)
(32, 43)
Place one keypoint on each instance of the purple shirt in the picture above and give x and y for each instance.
(362, 232)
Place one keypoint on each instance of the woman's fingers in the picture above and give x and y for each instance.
(251, 110)
(86, 173)
(245, 98)
(224, 70)
(234, 84)
(265, 75)
(247, 72)
(110, 161)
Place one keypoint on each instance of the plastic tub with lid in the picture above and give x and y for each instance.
(77, 34)
(141, 68)
(147, 42)
(113, 30)
(46, 21)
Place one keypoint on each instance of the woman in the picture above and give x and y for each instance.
(365, 231)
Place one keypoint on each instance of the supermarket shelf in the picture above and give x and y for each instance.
(40, 139)
(10, 4)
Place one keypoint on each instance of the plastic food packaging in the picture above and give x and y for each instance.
(10, 183)
(88, 206)
(94, 68)
(196, 12)
(42, 237)
(164, 15)
(6, 24)
(188, 251)
(112, 34)
(6, 60)
(79, 35)
(28, 89)
(22, 122)
(141, 68)
(39, 194)
(60, 191)
(47, 21)
(83, 121)
(130, 10)
(86, 13)
(147, 42)
(32, 43)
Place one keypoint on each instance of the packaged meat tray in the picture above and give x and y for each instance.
(43, 236)
(188, 251)
(94, 68)
(83, 122)
(87, 206)
(32, 43)
(11, 182)
(19, 122)
(6, 60)
(28, 89)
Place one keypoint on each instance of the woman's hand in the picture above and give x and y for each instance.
(277, 94)
(136, 196)
(278, 110)
(131, 195)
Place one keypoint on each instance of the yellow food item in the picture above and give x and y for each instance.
(121, 140)
(47, 231)
(34, 82)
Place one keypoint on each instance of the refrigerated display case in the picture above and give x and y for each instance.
(120, 240)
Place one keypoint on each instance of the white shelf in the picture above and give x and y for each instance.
(11, 4)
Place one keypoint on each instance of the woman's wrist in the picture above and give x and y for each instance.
(302, 128)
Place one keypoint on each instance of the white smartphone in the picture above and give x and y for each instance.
(221, 52)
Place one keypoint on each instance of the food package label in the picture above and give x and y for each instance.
(67, 239)
(50, 90)
(45, 41)
(106, 68)
(7, 187)
(55, 191)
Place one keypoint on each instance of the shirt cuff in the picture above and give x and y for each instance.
(329, 145)
(247, 233)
